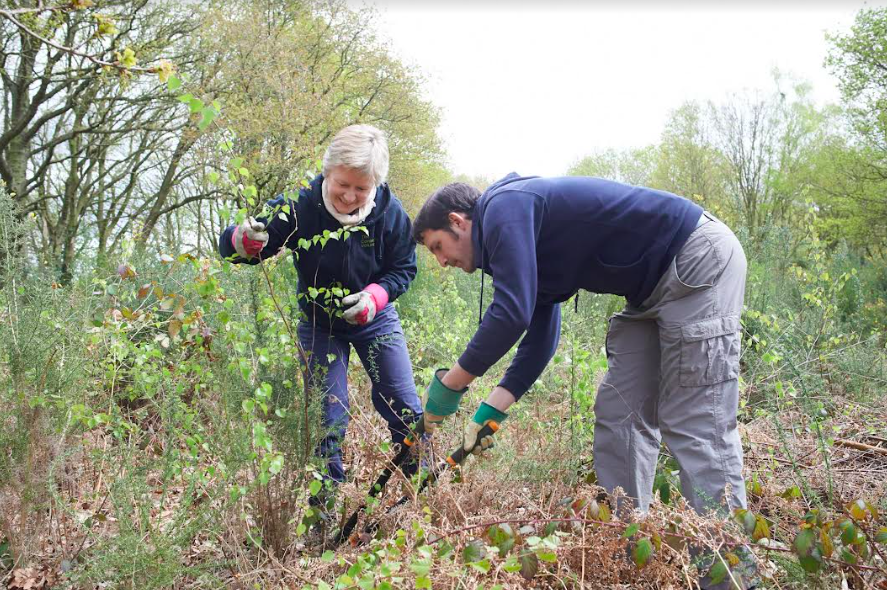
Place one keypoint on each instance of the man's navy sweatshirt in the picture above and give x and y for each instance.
(543, 239)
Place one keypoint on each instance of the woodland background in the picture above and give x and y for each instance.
(155, 432)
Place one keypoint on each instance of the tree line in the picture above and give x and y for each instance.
(100, 152)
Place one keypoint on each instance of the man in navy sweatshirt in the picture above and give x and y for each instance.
(673, 352)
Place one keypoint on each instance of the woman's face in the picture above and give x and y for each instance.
(349, 189)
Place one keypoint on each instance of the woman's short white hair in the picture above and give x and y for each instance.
(360, 147)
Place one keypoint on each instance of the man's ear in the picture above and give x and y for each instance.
(457, 220)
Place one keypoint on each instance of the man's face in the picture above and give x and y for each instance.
(349, 189)
(452, 248)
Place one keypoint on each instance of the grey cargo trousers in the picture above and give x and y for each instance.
(673, 368)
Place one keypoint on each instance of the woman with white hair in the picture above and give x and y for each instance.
(374, 267)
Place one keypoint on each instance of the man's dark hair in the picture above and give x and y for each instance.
(456, 197)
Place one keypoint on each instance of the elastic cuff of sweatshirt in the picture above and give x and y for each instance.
(473, 365)
(442, 401)
(487, 412)
(379, 295)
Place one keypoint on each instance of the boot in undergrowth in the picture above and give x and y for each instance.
(321, 521)
(742, 575)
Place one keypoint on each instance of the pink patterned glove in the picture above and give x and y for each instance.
(249, 238)
(365, 305)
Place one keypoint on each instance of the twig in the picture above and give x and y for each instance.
(36, 9)
(860, 446)
(70, 50)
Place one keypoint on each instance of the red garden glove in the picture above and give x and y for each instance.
(249, 238)
(364, 306)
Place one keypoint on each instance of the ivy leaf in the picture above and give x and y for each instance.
(208, 114)
(858, 510)
(501, 536)
(791, 493)
(746, 519)
(718, 572)
(276, 464)
(631, 530)
(881, 535)
(474, 551)
(195, 105)
(848, 531)
(604, 514)
(663, 487)
(512, 564)
(529, 565)
(445, 549)
(173, 82)
(753, 486)
(811, 563)
(421, 567)
(642, 552)
(578, 505)
(657, 542)
(809, 555)
(826, 542)
(314, 487)
(804, 542)
(482, 566)
(762, 529)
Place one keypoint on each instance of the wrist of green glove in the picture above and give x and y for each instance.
(485, 412)
(442, 401)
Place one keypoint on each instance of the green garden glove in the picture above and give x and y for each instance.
(485, 413)
(439, 401)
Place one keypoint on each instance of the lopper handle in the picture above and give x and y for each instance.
(458, 456)
(416, 432)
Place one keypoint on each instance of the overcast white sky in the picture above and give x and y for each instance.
(534, 86)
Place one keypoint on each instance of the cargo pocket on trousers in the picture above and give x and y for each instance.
(710, 352)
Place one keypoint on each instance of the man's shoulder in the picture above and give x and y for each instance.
(512, 202)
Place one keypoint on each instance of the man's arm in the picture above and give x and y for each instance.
(511, 226)
(533, 355)
(535, 350)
